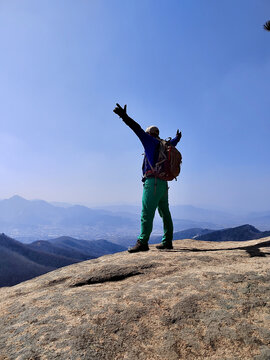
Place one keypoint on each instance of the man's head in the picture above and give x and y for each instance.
(153, 131)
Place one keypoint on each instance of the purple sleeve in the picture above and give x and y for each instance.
(147, 140)
(175, 141)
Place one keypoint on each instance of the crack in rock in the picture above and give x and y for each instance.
(112, 274)
(56, 282)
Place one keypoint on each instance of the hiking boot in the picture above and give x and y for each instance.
(168, 246)
(138, 247)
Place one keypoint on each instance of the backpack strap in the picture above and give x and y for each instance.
(160, 151)
(146, 160)
(162, 147)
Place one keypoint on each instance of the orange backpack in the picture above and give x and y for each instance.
(168, 165)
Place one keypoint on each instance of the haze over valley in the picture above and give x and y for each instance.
(30, 220)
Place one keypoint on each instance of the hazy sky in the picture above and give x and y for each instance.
(201, 66)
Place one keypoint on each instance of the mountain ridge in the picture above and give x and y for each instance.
(30, 220)
(20, 262)
(239, 233)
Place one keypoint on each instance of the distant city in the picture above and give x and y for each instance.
(30, 220)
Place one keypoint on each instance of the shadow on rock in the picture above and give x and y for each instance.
(252, 250)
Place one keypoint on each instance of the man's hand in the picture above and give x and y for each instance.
(178, 134)
(122, 112)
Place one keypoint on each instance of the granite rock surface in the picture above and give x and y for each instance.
(201, 300)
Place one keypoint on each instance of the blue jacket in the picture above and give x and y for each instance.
(149, 143)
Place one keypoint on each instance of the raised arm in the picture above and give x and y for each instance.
(122, 112)
(149, 142)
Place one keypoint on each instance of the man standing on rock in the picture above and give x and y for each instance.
(155, 192)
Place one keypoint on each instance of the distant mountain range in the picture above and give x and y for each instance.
(183, 234)
(30, 220)
(188, 216)
(20, 262)
(239, 233)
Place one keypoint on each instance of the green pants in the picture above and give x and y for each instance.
(155, 195)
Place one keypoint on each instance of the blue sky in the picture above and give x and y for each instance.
(200, 66)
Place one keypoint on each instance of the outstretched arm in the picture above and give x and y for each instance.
(122, 112)
(146, 139)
